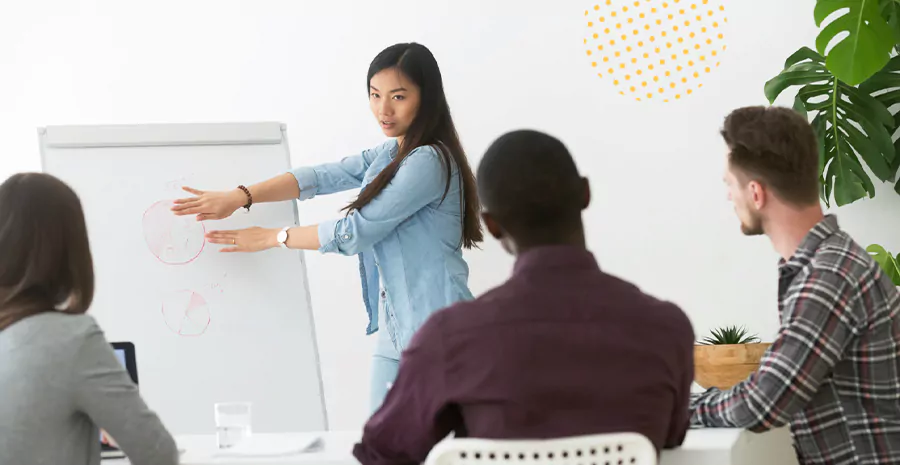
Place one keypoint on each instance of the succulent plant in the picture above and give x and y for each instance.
(730, 335)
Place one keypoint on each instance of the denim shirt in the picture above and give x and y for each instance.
(408, 238)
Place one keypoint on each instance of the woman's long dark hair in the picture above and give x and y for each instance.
(431, 126)
(46, 260)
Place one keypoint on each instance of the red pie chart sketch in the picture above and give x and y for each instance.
(186, 313)
(174, 240)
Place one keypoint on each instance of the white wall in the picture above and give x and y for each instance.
(660, 217)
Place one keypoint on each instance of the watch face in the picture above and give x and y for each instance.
(282, 236)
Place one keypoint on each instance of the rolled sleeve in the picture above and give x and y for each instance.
(307, 182)
(343, 175)
(328, 236)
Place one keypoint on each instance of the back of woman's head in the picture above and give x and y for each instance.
(46, 260)
(432, 126)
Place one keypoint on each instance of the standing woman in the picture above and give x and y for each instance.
(417, 209)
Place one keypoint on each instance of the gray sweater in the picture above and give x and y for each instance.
(59, 382)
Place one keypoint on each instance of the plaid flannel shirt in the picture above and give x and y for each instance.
(833, 370)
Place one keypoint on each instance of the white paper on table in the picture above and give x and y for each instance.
(273, 446)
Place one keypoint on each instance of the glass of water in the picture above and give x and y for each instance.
(232, 423)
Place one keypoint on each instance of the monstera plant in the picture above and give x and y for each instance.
(887, 261)
(850, 87)
(853, 126)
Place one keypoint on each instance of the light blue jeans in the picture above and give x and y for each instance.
(386, 359)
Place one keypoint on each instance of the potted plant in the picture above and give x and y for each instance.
(726, 357)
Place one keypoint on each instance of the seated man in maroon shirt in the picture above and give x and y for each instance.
(560, 349)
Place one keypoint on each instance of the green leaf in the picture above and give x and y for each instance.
(800, 106)
(852, 126)
(888, 262)
(804, 54)
(887, 78)
(896, 164)
(869, 152)
(885, 86)
(847, 187)
(869, 106)
(805, 65)
(878, 150)
(867, 47)
(890, 11)
(852, 163)
(827, 180)
(880, 81)
(789, 79)
(819, 125)
(889, 99)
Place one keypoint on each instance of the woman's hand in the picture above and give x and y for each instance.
(245, 240)
(210, 205)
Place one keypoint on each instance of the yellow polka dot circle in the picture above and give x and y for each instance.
(655, 49)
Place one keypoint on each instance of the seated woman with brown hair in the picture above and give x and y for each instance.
(59, 378)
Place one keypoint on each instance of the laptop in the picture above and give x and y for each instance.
(125, 354)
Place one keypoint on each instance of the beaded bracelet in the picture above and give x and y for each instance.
(249, 196)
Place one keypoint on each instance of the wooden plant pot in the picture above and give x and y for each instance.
(723, 366)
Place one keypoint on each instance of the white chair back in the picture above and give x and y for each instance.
(598, 449)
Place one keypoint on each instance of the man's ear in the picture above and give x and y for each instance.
(492, 226)
(587, 193)
(758, 195)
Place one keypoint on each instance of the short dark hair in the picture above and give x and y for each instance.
(777, 147)
(529, 183)
(46, 258)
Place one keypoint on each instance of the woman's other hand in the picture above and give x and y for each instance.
(245, 240)
(210, 205)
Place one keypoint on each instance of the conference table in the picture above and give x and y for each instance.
(706, 446)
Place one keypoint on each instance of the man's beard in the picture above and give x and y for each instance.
(754, 227)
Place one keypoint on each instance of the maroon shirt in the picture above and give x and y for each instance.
(561, 349)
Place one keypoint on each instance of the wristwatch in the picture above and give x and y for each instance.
(282, 237)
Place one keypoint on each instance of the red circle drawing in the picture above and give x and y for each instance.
(174, 240)
(186, 313)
